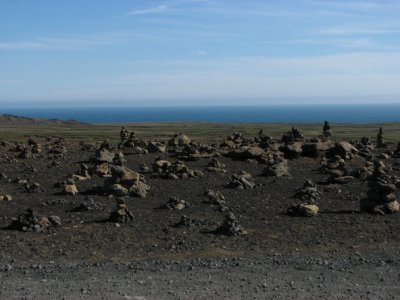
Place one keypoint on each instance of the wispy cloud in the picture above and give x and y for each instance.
(22, 45)
(77, 42)
(346, 75)
(151, 10)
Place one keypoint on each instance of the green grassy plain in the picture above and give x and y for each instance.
(204, 132)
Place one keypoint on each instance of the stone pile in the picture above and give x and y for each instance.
(396, 153)
(381, 196)
(69, 187)
(175, 170)
(294, 135)
(215, 198)
(326, 130)
(30, 221)
(379, 139)
(242, 181)
(344, 149)
(174, 203)
(303, 210)
(32, 188)
(364, 147)
(308, 192)
(215, 165)
(236, 140)
(276, 166)
(231, 226)
(125, 182)
(185, 222)
(156, 147)
(121, 214)
(88, 205)
(133, 145)
(263, 140)
(337, 169)
(179, 139)
(83, 174)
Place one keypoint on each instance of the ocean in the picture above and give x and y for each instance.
(360, 113)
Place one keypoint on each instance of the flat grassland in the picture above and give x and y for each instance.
(202, 132)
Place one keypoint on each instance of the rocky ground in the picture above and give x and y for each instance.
(169, 249)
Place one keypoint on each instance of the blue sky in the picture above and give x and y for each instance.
(198, 52)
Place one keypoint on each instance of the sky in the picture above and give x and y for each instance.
(198, 52)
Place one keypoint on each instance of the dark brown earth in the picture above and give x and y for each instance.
(275, 242)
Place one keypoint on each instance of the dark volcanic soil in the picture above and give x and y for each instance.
(281, 256)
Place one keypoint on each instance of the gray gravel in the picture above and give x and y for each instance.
(273, 277)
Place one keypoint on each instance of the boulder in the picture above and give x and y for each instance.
(303, 210)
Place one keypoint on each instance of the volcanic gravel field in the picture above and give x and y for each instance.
(340, 253)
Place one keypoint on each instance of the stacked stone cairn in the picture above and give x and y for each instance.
(125, 182)
(308, 192)
(30, 221)
(216, 198)
(174, 203)
(326, 130)
(242, 181)
(337, 169)
(121, 214)
(381, 196)
(294, 135)
(379, 139)
(231, 226)
(175, 170)
(214, 165)
(364, 147)
(276, 166)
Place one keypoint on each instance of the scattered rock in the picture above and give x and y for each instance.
(303, 210)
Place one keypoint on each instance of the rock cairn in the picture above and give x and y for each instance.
(231, 226)
(215, 165)
(242, 181)
(337, 168)
(30, 221)
(174, 203)
(326, 130)
(125, 182)
(381, 196)
(175, 170)
(294, 135)
(121, 214)
(88, 205)
(216, 198)
(379, 139)
(276, 167)
(308, 192)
